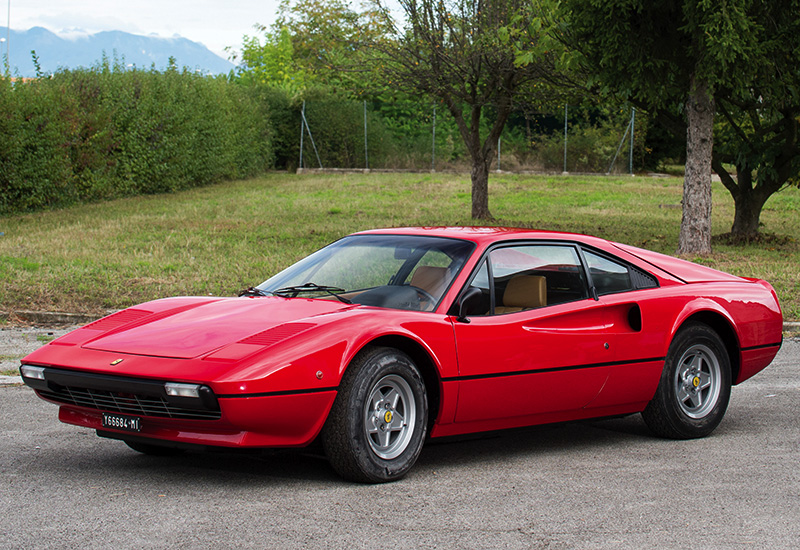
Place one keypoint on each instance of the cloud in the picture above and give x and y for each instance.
(212, 22)
(66, 23)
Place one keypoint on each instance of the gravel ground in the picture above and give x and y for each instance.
(18, 341)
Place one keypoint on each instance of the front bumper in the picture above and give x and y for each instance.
(281, 419)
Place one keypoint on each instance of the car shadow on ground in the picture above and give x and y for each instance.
(301, 466)
(547, 440)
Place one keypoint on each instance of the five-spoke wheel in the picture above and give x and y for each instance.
(698, 381)
(695, 387)
(389, 416)
(377, 425)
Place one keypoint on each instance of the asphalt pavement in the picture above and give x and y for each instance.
(589, 485)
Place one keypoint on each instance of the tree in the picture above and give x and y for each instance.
(462, 52)
(312, 43)
(272, 62)
(667, 52)
(758, 122)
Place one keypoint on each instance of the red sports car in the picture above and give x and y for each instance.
(387, 337)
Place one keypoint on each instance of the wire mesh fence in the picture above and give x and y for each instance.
(338, 135)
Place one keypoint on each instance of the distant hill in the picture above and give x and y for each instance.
(55, 52)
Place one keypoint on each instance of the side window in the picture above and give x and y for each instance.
(533, 276)
(607, 276)
(481, 281)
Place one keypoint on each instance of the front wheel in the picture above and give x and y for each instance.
(377, 425)
(695, 386)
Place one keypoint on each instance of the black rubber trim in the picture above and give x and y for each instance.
(554, 369)
(764, 346)
(276, 393)
(56, 379)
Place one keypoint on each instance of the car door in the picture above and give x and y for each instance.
(529, 350)
(635, 330)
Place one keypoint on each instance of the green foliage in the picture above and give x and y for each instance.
(272, 63)
(98, 133)
(34, 165)
(743, 52)
(315, 44)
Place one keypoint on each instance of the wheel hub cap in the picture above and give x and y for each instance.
(698, 380)
(390, 416)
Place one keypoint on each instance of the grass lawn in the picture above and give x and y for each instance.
(217, 240)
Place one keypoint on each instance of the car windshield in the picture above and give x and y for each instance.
(392, 271)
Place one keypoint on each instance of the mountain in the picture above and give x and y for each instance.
(55, 52)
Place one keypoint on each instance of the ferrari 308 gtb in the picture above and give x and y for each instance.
(387, 337)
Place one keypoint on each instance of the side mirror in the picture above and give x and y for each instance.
(468, 302)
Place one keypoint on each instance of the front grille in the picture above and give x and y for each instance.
(126, 403)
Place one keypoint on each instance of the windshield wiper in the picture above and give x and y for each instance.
(313, 287)
(253, 291)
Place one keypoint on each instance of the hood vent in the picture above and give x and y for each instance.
(274, 335)
(118, 319)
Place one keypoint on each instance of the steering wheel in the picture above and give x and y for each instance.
(424, 295)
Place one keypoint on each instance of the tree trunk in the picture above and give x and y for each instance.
(480, 187)
(746, 219)
(695, 234)
(748, 202)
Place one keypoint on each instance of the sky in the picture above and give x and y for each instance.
(214, 23)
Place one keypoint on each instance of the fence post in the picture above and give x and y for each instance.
(308, 128)
(302, 131)
(566, 106)
(433, 147)
(633, 118)
(628, 128)
(366, 154)
(498, 154)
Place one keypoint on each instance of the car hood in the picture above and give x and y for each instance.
(197, 327)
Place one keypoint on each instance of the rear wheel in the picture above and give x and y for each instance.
(695, 386)
(377, 425)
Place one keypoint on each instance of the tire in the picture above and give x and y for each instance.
(376, 427)
(695, 386)
(154, 450)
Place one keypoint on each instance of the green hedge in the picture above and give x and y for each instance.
(106, 132)
(398, 131)
(99, 133)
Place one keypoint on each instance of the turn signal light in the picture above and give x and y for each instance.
(182, 390)
(29, 371)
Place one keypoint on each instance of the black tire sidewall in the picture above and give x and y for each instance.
(664, 414)
(344, 436)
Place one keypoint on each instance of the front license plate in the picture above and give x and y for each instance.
(121, 422)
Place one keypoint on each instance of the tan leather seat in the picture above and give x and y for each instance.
(523, 292)
(430, 279)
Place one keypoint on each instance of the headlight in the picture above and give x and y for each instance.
(29, 371)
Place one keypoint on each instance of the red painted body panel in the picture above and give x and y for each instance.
(687, 272)
(275, 363)
(272, 421)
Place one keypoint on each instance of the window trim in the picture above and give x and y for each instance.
(614, 259)
(576, 246)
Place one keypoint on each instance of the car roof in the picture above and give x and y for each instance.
(488, 235)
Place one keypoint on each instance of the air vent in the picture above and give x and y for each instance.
(126, 403)
(641, 280)
(274, 335)
(118, 319)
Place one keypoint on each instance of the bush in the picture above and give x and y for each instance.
(591, 147)
(104, 132)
